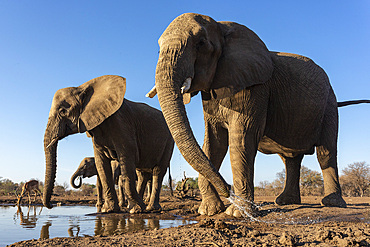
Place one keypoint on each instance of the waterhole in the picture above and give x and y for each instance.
(24, 223)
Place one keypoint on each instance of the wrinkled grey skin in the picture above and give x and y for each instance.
(134, 134)
(87, 169)
(291, 191)
(253, 99)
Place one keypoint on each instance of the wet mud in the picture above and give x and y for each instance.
(307, 224)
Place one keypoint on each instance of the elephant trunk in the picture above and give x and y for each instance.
(171, 102)
(73, 179)
(50, 148)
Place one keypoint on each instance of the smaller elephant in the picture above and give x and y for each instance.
(87, 169)
(134, 134)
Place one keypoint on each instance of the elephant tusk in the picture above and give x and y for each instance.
(186, 86)
(152, 92)
(52, 142)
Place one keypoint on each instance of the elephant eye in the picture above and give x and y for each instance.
(204, 45)
(63, 112)
(200, 44)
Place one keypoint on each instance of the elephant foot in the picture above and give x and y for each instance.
(113, 208)
(232, 210)
(211, 205)
(98, 206)
(122, 204)
(154, 207)
(333, 200)
(136, 209)
(242, 211)
(285, 199)
(135, 206)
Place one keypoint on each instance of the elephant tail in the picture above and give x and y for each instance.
(352, 102)
(170, 180)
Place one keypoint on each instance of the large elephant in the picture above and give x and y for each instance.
(134, 134)
(253, 99)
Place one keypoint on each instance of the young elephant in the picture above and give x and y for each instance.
(87, 169)
(134, 134)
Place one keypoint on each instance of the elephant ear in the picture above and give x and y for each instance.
(100, 98)
(245, 61)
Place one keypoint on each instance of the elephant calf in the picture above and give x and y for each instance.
(134, 134)
(87, 169)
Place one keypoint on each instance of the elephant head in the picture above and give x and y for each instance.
(86, 169)
(77, 110)
(217, 58)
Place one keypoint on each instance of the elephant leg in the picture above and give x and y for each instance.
(141, 183)
(291, 193)
(103, 166)
(243, 141)
(149, 189)
(158, 174)
(99, 191)
(121, 194)
(327, 157)
(155, 183)
(135, 203)
(215, 148)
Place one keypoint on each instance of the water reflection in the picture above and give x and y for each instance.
(22, 223)
(27, 221)
(45, 230)
(73, 228)
(109, 225)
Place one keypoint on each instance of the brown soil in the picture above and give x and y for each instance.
(308, 224)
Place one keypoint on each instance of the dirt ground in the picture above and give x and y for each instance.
(307, 224)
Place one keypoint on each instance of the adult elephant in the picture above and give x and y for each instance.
(253, 99)
(134, 134)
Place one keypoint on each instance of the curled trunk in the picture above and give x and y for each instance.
(171, 102)
(73, 179)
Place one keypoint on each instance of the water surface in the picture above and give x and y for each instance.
(26, 223)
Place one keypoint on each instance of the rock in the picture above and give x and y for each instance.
(219, 224)
(323, 235)
(287, 240)
(342, 242)
(358, 233)
(254, 233)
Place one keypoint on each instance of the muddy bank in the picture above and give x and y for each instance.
(308, 224)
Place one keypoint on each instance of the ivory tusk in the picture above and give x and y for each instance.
(152, 92)
(186, 86)
(52, 142)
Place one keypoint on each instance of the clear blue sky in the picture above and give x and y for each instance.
(48, 45)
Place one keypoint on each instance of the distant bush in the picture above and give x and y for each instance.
(355, 180)
(310, 182)
(7, 187)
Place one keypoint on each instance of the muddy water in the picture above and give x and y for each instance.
(24, 223)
